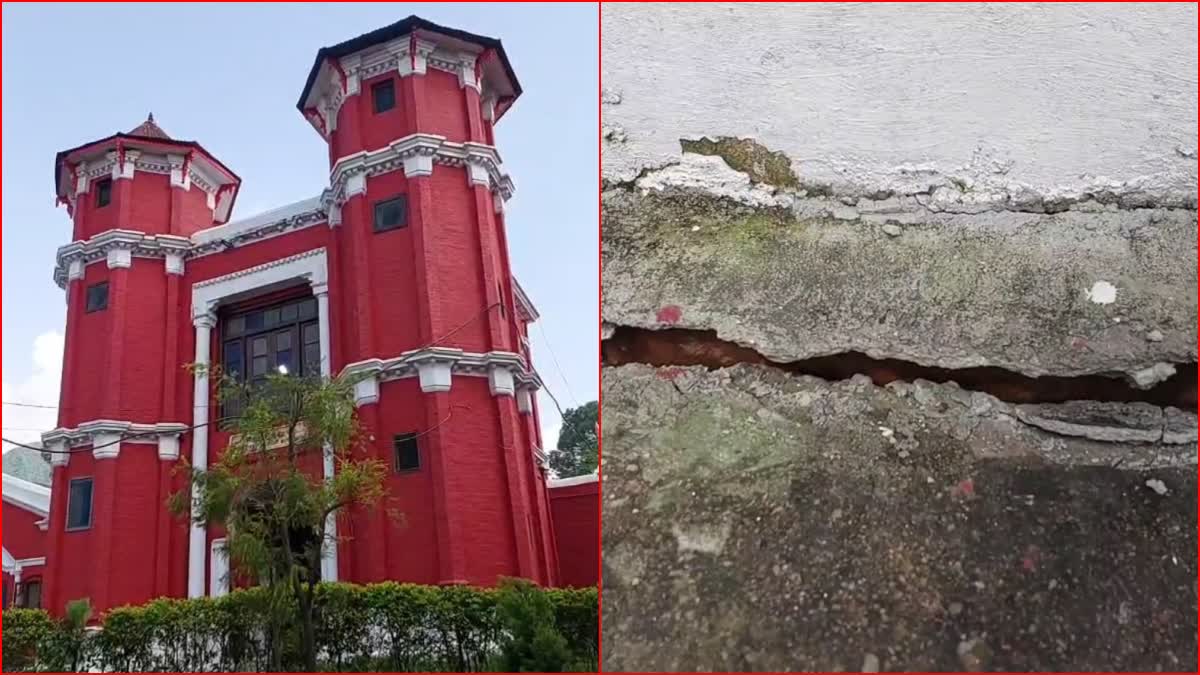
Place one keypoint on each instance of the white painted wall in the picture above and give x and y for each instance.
(1050, 98)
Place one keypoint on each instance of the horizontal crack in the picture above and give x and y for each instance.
(684, 347)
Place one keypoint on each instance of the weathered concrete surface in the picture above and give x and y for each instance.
(1056, 99)
(953, 186)
(754, 520)
(810, 276)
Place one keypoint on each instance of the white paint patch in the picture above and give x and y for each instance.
(1158, 486)
(1102, 293)
(711, 174)
(706, 538)
(1148, 377)
(1006, 99)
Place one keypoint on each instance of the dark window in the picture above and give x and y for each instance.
(383, 96)
(31, 595)
(97, 297)
(79, 504)
(267, 340)
(392, 214)
(408, 454)
(103, 192)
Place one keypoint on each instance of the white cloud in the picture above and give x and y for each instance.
(550, 435)
(23, 424)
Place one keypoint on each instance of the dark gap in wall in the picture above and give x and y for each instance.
(684, 347)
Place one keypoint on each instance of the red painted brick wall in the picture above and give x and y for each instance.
(22, 537)
(576, 510)
(150, 203)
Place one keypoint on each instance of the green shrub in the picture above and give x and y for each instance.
(385, 627)
(24, 631)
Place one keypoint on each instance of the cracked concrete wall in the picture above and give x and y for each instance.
(1006, 185)
(960, 186)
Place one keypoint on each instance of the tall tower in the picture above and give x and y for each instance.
(423, 287)
(135, 199)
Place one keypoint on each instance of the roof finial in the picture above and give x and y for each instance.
(150, 117)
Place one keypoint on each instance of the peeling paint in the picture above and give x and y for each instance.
(1102, 293)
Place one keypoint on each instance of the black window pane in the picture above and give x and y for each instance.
(283, 340)
(271, 317)
(284, 358)
(233, 358)
(258, 366)
(103, 192)
(312, 359)
(408, 455)
(308, 309)
(289, 313)
(312, 333)
(391, 214)
(254, 321)
(32, 591)
(97, 297)
(235, 326)
(258, 346)
(79, 504)
(383, 96)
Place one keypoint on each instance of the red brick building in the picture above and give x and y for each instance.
(397, 270)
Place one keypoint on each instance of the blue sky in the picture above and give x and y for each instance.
(228, 76)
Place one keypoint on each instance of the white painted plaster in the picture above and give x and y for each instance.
(713, 175)
(1055, 99)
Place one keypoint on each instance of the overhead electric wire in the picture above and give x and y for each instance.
(31, 405)
(553, 357)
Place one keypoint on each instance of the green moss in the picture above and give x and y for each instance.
(747, 156)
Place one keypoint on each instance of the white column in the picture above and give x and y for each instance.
(329, 557)
(197, 544)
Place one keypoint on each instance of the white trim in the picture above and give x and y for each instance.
(574, 480)
(10, 563)
(507, 372)
(482, 162)
(202, 172)
(32, 562)
(308, 266)
(26, 495)
(103, 432)
(198, 532)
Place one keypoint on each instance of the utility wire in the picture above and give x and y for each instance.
(31, 405)
(553, 357)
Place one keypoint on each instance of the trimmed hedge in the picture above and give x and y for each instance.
(385, 627)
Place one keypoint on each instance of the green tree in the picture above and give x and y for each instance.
(267, 492)
(578, 450)
(533, 643)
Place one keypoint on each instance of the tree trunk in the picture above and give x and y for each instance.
(308, 630)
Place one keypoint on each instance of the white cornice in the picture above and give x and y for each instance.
(506, 371)
(309, 266)
(29, 496)
(481, 161)
(204, 242)
(107, 437)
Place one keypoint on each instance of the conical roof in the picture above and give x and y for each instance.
(150, 129)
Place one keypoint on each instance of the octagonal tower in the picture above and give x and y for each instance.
(424, 287)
